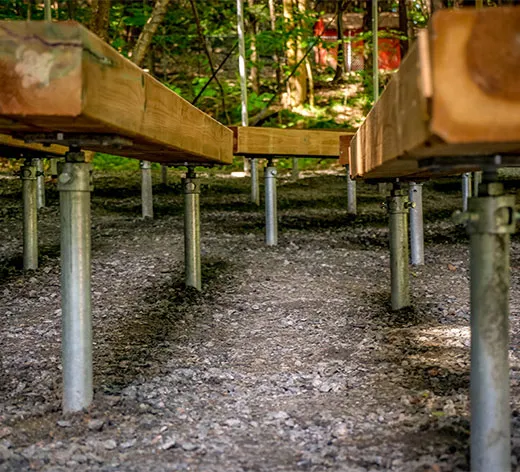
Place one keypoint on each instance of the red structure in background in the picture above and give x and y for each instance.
(389, 48)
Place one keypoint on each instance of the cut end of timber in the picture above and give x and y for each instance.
(40, 70)
(476, 57)
(60, 77)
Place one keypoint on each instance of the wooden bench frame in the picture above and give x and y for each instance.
(63, 85)
(454, 106)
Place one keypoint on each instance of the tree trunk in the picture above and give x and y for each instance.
(403, 27)
(202, 39)
(297, 84)
(99, 20)
(71, 9)
(340, 63)
(367, 27)
(146, 36)
(276, 57)
(310, 80)
(253, 74)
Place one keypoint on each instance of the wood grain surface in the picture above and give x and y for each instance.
(59, 77)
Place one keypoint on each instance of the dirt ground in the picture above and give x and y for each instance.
(288, 360)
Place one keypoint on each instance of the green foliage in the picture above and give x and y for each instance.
(106, 162)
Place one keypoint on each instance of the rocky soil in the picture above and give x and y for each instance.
(288, 360)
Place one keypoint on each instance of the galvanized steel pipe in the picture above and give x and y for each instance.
(255, 186)
(466, 190)
(271, 216)
(30, 216)
(146, 189)
(416, 224)
(477, 178)
(164, 175)
(40, 183)
(192, 230)
(397, 204)
(351, 193)
(490, 221)
(74, 185)
(295, 171)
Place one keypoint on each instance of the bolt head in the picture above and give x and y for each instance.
(64, 178)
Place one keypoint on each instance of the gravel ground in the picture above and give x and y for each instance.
(289, 359)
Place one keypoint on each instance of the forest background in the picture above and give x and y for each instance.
(191, 46)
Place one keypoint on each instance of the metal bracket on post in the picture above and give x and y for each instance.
(416, 224)
(397, 205)
(271, 213)
(490, 221)
(351, 193)
(75, 185)
(29, 174)
(146, 189)
(191, 190)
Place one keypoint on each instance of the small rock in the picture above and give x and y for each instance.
(233, 422)
(64, 423)
(96, 425)
(325, 387)
(128, 444)
(168, 444)
(189, 446)
(5, 453)
(340, 430)
(109, 444)
(5, 432)
(449, 408)
(279, 415)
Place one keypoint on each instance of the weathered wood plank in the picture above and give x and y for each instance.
(454, 95)
(8, 142)
(280, 142)
(61, 77)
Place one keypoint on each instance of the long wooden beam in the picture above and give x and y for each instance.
(60, 77)
(455, 95)
(10, 147)
(287, 142)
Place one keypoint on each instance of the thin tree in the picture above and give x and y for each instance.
(71, 9)
(253, 27)
(340, 63)
(297, 84)
(276, 57)
(403, 27)
(145, 38)
(99, 21)
(202, 39)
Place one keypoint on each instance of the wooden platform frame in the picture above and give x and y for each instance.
(16, 148)
(455, 95)
(60, 77)
(288, 142)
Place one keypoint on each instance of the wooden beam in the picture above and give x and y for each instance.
(60, 77)
(20, 147)
(283, 142)
(455, 94)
